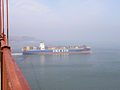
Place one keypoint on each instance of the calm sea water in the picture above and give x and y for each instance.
(99, 70)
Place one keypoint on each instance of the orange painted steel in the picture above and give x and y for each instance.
(3, 16)
(0, 18)
(14, 79)
(11, 76)
(7, 23)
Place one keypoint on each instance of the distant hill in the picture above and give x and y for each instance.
(22, 38)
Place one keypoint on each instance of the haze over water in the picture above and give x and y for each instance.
(99, 70)
(68, 22)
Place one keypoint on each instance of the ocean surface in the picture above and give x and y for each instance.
(99, 70)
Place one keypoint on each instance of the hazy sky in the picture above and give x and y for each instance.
(83, 20)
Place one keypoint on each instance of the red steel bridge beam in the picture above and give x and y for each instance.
(3, 16)
(0, 18)
(7, 23)
(11, 76)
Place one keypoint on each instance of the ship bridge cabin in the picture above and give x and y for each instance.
(42, 46)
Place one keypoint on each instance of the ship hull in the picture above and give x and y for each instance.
(69, 51)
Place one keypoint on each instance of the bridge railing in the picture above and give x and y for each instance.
(12, 77)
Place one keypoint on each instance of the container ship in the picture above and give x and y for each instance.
(42, 49)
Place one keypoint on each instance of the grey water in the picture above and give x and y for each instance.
(99, 70)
